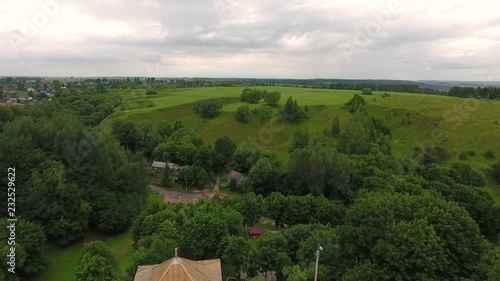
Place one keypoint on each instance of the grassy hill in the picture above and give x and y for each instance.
(459, 125)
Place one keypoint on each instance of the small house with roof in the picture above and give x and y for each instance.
(255, 232)
(158, 166)
(236, 176)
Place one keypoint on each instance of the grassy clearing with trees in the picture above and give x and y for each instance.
(413, 118)
(334, 168)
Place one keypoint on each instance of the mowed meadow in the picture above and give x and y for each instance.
(456, 124)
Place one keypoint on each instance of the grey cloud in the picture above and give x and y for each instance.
(266, 38)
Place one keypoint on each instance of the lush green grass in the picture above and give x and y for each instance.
(456, 124)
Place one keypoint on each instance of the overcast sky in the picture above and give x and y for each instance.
(389, 39)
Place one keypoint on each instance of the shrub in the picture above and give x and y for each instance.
(243, 114)
(489, 154)
(265, 115)
(151, 92)
(271, 98)
(292, 112)
(463, 156)
(464, 174)
(471, 153)
(434, 155)
(253, 96)
(208, 108)
(356, 103)
(367, 91)
(496, 171)
(417, 151)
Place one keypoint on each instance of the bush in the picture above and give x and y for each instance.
(434, 155)
(367, 91)
(464, 174)
(417, 151)
(292, 113)
(151, 92)
(463, 156)
(356, 103)
(252, 95)
(489, 154)
(208, 108)
(471, 153)
(496, 171)
(243, 114)
(272, 98)
(265, 115)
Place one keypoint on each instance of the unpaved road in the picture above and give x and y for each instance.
(172, 196)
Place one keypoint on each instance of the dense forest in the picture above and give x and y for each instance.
(70, 177)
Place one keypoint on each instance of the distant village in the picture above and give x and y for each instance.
(19, 91)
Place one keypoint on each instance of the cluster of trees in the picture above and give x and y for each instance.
(364, 131)
(91, 107)
(209, 230)
(208, 108)
(254, 96)
(292, 113)
(74, 178)
(397, 224)
(489, 93)
(201, 161)
(138, 137)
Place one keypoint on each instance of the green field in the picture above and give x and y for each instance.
(456, 124)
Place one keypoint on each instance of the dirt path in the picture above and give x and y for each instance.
(172, 196)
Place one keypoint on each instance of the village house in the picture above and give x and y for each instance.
(161, 166)
(174, 168)
(158, 166)
(9, 90)
(4, 102)
(236, 176)
(181, 269)
(255, 232)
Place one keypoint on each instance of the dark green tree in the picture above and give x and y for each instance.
(243, 114)
(264, 175)
(165, 130)
(208, 108)
(224, 149)
(335, 127)
(367, 91)
(300, 139)
(30, 245)
(272, 98)
(356, 103)
(96, 263)
(48, 199)
(244, 158)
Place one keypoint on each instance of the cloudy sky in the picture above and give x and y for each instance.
(388, 39)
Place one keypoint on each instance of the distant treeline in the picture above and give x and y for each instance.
(490, 93)
(404, 88)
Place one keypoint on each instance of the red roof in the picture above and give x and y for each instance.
(234, 175)
(255, 231)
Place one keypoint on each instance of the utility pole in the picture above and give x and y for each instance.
(317, 262)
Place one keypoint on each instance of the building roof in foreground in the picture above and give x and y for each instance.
(157, 164)
(180, 269)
